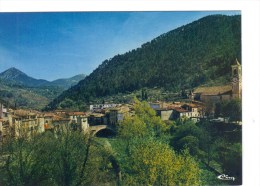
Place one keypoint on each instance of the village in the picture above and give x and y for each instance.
(199, 106)
(29, 122)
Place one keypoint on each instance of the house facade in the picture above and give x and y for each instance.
(180, 110)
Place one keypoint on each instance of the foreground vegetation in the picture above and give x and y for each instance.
(145, 151)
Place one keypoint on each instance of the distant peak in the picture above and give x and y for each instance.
(12, 72)
(13, 69)
(80, 75)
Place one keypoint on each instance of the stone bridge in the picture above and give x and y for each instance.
(95, 129)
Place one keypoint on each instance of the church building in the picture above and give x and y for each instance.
(222, 93)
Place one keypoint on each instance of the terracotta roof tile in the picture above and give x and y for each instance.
(58, 118)
(180, 110)
(192, 105)
(76, 113)
(49, 114)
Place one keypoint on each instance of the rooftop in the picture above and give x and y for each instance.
(216, 90)
(23, 113)
(97, 115)
(180, 110)
(236, 62)
(76, 113)
(192, 105)
(58, 118)
(49, 114)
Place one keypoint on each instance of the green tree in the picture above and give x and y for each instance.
(230, 158)
(232, 109)
(190, 142)
(144, 155)
(207, 141)
(197, 138)
(133, 127)
(21, 166)
(67, 158)
(146, 114)
(151, 162)
(67, 103)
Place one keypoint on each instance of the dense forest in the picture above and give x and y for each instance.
(194, 54)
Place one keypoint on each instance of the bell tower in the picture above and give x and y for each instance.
(236, 80)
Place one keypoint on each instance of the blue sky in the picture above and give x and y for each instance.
(60, 45)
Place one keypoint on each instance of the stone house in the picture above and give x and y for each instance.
(156, 105)
(62, 124)
(165, 114)
(117, 115)
(83, 123)
(96, 119)
(48, 118)
(178, 110)
(3, 111)
(74, 115)
(193, 108)
(25, 123)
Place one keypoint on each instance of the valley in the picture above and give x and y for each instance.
(166, 113)
(18, 90)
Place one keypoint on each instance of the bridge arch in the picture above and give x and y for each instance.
(99, 129)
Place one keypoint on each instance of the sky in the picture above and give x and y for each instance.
(53, 45)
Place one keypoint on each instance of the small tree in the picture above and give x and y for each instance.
(144, 155)
(148, 116)
(151, 162)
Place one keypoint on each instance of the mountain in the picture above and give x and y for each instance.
(20, 90)
(67, 83)
(192, 55)
(16, 76)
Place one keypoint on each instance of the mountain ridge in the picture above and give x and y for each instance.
(68, 82)
(17, 89)
(16, 76)
(191, 55)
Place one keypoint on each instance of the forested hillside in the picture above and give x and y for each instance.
(68, 82)
(18, 96)
(194, 54)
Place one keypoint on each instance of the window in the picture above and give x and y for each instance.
(235, 72)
